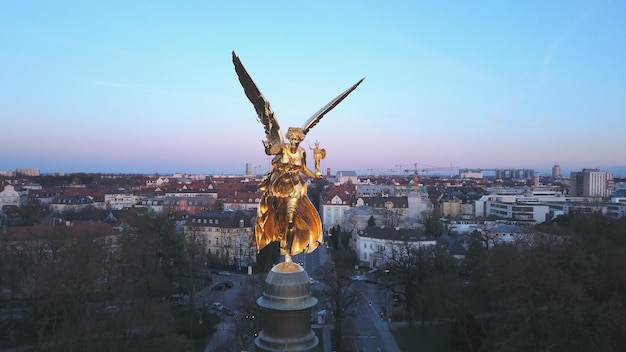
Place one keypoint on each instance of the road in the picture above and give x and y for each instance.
(312, 261)
(372, 331)
(206, 297)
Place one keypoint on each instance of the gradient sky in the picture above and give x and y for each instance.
(149, 86)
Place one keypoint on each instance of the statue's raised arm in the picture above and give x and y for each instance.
(285, 213)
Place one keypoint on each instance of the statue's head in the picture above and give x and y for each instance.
(295, 134)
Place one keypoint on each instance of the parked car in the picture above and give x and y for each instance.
(223, 273)
(222, 286)
(358, 278)
(217, 306)
(177, 299)
(111, 309)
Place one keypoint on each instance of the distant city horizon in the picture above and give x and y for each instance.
(618, 171)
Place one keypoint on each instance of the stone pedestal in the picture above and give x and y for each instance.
(286, 305)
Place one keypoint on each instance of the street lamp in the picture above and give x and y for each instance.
(386, 298)
(251, 324)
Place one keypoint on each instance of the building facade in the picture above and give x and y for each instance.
(333, 207)
(375, 245)
(13, 195)
(226, 236)
(591, 183)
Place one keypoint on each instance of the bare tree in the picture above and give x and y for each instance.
(338, 293)
(193, 247)
(349, 223)
(410, 262)
(390, 217)
(247, 324)
(432, 226)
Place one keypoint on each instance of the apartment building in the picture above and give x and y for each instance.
(227, 236)
(375, 245)
(591, 183)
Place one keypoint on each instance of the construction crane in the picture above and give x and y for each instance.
(417, 170)
(402, 167)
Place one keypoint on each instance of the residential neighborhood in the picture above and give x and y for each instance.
(192, 237)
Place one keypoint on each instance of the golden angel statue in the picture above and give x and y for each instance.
(318, 154)
(285, 213)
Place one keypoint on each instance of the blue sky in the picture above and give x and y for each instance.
(149, 86)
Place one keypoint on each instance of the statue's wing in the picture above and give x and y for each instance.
(264, 111)
(313, 120)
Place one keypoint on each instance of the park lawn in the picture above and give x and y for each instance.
(423, 339)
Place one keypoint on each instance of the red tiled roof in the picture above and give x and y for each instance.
(59, 229)
(243, 197)
(339, 191)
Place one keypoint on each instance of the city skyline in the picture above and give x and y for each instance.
(130, 88)
(617, 172)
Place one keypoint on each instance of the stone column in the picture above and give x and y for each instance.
(286, 311)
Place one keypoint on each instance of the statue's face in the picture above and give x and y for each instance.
(295, 140)
(295, 136)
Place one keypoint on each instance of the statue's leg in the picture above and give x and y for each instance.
(292, 208)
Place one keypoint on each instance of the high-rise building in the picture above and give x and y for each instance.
(515, 173)
(591, 183)
(556, 171)
(27, 172)
(249, 170)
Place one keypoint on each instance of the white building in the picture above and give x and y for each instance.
(71, 203)
(333, 207)
(13, 195)
(227, 236)
(591, 183)
(121, 200)
(617, 207)
(473, 174)
(343, 177)
(242, 200)
(535, 213)
(27, 172)
(499, 233)
(374, 245)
